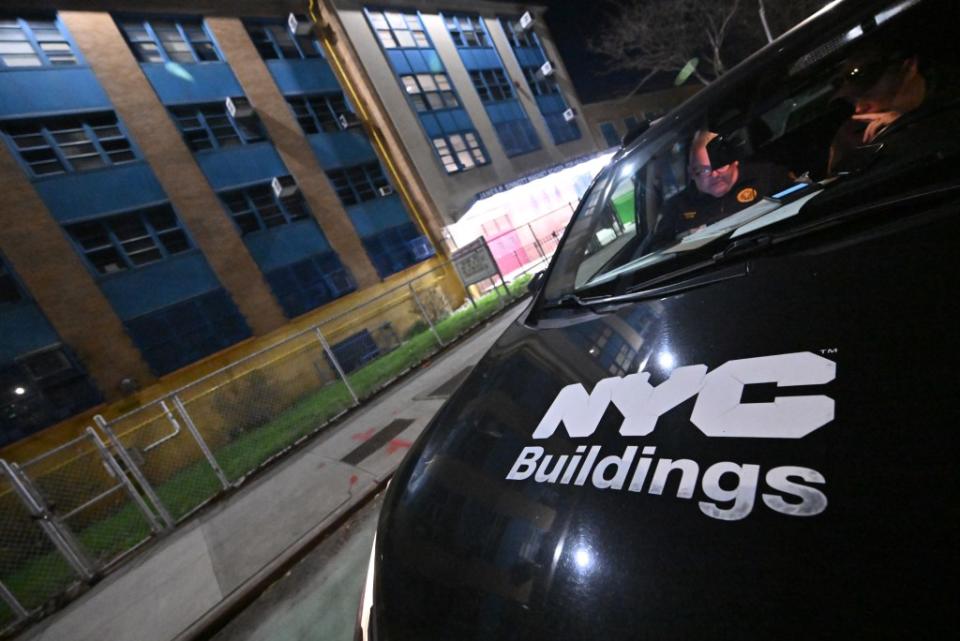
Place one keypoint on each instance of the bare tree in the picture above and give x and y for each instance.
(659, 36)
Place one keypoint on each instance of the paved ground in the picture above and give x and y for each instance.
(176, 587)
(318, 598)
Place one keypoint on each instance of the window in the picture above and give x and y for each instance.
(539, 85)
(33, 43)
(210, 126)
(518, 36)
(430, 91)
(174, 336)
(275, 42)
(399, 30)
(309, 283)
(70, 143)
(319, 112)
(184, 41)
(9, 291)
(358, 184)
(467, 31)
(610, 135)
(130, 240)
(257, 207)
(492, 85)
(460, 152)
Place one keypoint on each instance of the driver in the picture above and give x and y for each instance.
(716, 192)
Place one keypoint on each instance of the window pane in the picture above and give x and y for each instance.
(85, 163)
(426, 82)
(107, 261)
(15, 47)
(404, 39)
(161, 218)
(175, 241)
(386, 39)
(128, 227)
(21, 60)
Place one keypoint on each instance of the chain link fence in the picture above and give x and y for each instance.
(75, 511)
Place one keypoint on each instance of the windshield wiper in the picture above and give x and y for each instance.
(571, 301)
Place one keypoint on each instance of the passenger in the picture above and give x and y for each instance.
(717, 192)
(898, 102)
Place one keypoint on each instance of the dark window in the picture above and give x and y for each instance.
(429, 91)
(210, 126)
(460, 151)
(492, 85)
(610, 135)
(257, 207)
(309, 283)
(359, 183)
(274, 41)
(354, 352)
(396, 248)
(70, 143)
(318, 112)
(129, 240)
(539, 85)
(9, 291)
(180, 334)
(518, 36)
(162, 40)
(467, 31)
(41, 388)
(33, 43)
(399, 30)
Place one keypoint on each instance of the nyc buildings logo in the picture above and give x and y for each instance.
(718, 413)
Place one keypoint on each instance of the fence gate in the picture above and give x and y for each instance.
(90, 502)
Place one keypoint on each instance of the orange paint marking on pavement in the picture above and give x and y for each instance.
(398, 444)
(353, 480)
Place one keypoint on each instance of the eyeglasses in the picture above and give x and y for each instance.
(703, 170)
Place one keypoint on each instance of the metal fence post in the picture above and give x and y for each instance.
(124, 480)
(61, 538)
(134, 469)
(536, 242)
(192, 428)
(426, 317)
(336, 365)
(12, 603)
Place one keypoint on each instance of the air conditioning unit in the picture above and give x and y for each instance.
(348, 119)
(284, 186)
(299, 25)
(386, 190)
(239, 108)
(546, 69)
(569, 115)
(526, 21)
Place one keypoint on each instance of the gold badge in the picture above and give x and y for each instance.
(689, 215)
(747, 195)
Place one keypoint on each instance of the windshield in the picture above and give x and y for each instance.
(878, 93)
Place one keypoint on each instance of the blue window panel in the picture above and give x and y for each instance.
(517, 137)
(40, 389)
(431, 125)
(23, 329)
(462, 120)
(280, 246)
(399, 62)
(158, 285)
(610, 134)
(257, 162)
(561, 130)
(71, 197)
(356, 351)
(310, 283)
(341, 149)
(184, 84)
(372, 217)
(303, 76)
(529, 57)
(180, 334)
(551, 104)
(448, 123)
(43, 91)
(393, 250)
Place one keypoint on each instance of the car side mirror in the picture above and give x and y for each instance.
(535, 283)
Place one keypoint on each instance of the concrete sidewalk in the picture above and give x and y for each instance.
(185, 579)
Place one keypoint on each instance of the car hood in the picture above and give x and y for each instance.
(797, 482)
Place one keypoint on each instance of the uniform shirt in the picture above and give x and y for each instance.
(691, 208)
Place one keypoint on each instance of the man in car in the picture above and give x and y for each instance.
(716, 192)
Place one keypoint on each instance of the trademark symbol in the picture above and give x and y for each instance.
(829, 350)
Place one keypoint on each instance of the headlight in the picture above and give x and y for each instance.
(365, 624)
